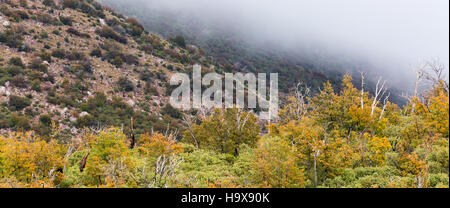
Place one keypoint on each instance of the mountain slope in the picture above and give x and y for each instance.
(80, 64)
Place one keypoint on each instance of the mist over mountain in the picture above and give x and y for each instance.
(384, 38)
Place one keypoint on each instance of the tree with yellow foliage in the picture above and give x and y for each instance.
(31, 160)
(276, 164)
(157, 144)
(225, 131)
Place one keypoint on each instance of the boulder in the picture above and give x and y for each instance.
(72, 119)
(131, 103)
(84, 113)
(102, 22)
(4, 91)
(63, 111)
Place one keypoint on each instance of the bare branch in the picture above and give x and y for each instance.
(362, 90)
(385, 101)
(380, 90)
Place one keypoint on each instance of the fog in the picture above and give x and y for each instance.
(393, 36)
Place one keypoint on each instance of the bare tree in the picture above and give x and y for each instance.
(434, 71)
(116, 170)
(362, 89)
(385, 101)
(188, 120)
(302, 92)
(241, 121)
(380, 91)
(165, 167)
(431, 71)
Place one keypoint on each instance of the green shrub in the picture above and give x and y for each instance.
(146, 75)
(96, 53)
(131, 59)
(44, 125)
(44, 35)
(19, 122)
(23, 3)
(50, 3)
(13, 70)
(88, 9)
(45, 56)
(18, 103)
(16, 61)
(38, 64)
(172, 112)
(46, 19)
(147, 48)
(17, 15)
(150, 89)
(125, 84)
(11, 38)
(73, 4)
(66, 20)
(36, 85)
(136, 28)
(75, 56)
(108, 32)
(179, 41)
(84, 121)
(19, 81)
(86, 66)
(59, 53)
(73, 31)
(117, 61)
(45, 120)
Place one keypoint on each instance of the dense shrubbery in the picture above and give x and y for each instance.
(13, 73)
(17, 15)
(46, 19)
(15, 121)
(13, 39)
(149, 43)
(136, 28)
(22, 163)
(50, 3)
(36, 85)
(75, 56)
(179, 41)
(66, 20)
(96, 53)
(59, 53)
(115, 55)
(18, 103)
(125, 84)
(16, 61)
(172, 112)
(44, 125)
(19, 81)
(73, 31)
(46, 56)
(108, 32)
(73, 4)
(38, 64)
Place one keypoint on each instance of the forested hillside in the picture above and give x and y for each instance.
(84, 103)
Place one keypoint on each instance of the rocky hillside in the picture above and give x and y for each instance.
(76, 64)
